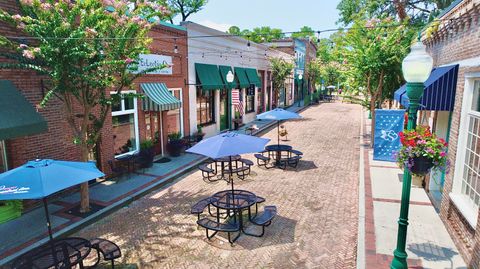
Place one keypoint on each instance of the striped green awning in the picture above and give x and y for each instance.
(223, 72)
(158, 97)
(253, 76)
(208, 77)
(17, 116)
(241, 77)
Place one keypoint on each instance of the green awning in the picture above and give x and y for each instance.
(158, 97)
(253, 77)
(208, 77)
(223, 73)
(17, 116)
(241, 77)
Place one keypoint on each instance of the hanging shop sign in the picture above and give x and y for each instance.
(147, 61)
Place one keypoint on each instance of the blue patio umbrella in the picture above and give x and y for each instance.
(40, 178)
(227, 145)
(278, 114)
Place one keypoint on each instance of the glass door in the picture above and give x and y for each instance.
(223, 110)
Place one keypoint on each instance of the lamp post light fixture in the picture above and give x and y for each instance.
(230, 76)
(300, 77)
(416, 68)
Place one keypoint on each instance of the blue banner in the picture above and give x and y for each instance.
(388, 123)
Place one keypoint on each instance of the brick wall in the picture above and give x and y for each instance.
(458, 41)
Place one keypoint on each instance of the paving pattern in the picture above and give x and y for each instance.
(316, 226)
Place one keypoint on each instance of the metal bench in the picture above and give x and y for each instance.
(263, 219)
(208, 173)
(241, 171)
(248, 163)
(296, 152)
(200, 206)
(215, 226)
(110, 251)
(262, 160)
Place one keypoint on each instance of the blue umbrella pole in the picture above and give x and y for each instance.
(49, 225)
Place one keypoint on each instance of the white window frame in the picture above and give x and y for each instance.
(133, 111)
(464, 204)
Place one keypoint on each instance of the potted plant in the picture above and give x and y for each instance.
(421, 151)
(175, 144)
(199, 134)
(147, 153)
(283, 131)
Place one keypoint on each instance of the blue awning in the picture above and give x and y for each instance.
(439, 92)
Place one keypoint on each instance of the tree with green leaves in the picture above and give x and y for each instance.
(281, 70)
(418, 12)
(84, 51)
(184, 8)
(373, 57)
(305, 32)
(258, 34)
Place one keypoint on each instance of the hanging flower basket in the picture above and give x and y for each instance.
(421, 165)
(421, 151)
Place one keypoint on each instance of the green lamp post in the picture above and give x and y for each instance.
(416, 68)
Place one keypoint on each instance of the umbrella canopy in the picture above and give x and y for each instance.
(278, 114)
(40, 178)
(229, 144)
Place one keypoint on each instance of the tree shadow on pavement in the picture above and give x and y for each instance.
(432, 252)
(304, 166)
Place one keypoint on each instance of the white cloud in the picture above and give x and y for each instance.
(218, 26)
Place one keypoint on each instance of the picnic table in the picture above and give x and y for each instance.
(282, 155)
(57, 253)
(234, 201)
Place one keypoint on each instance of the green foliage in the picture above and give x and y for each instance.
(305, 32)
(258, 34)
(184, 8)
(281, 69)
(174, 136)
(199, 129)
(146, 144)
(417, 12)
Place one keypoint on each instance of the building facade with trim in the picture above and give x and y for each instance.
(455, 42)
(211, 55)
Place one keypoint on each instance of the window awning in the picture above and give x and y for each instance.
(17, 116)
(439, 92)
(241, 77)
(223, 73)
(208, 77)
(158, 97)
(253, 77)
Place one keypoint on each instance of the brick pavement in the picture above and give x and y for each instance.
(317, 205)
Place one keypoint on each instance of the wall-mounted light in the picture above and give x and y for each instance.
(230, 76)
(175, 48)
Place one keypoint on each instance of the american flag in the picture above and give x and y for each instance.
(237, 101)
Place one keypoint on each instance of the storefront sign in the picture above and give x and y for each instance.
(147, 61)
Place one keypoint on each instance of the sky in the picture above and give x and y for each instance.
(288, 15)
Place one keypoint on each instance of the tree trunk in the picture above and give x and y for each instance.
(84, 194)
(400, 8)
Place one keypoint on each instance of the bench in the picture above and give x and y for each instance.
(262, 160)
(110, 251)
(207, 172)
(215, 226)
(200, 206)
(290, 161)
(296, 152)
(264, 219)
(241, 171)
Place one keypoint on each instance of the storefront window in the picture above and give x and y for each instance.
(125, 126)
(3, 157)
(471, 163)
(173, 116)
(205, 107)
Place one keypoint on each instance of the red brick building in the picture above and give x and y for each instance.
(456, 42)
(131, 122)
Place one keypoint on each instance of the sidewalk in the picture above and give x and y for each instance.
(428, 242)
(29, 230)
